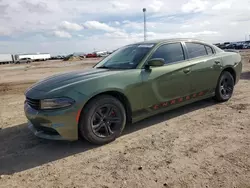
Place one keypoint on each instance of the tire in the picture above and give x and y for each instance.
(225, 87)
(99, 122)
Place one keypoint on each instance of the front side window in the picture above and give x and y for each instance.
(195, 50)
(170, 53)
(127, 57)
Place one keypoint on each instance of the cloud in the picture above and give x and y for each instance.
(139, 25)
(108, 24)
(186, 26)
(205, 23)
(153, 35)
(33, 7)
(133, 25)
(62, 34)
(194, 6)
(222, 5)
(41, 22)
(70, 26)
(3, 9)
(156, 5)
(139, 36)
(117, 34)
(5, 31)
(119, 5)
(99, 26)
(117, 23)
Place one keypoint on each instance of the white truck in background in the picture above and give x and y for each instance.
(33, 57)
(6, 58)
(102, 53)
(18, 58)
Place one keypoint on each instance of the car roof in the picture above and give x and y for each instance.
(170, 40)
(158, 41)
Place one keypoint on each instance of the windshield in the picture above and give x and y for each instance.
(127, 57)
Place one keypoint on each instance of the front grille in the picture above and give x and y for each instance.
(33, 103)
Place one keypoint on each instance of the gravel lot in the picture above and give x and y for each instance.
(204, 144)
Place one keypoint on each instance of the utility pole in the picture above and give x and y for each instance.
(145, 26)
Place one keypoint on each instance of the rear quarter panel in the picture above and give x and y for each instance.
(232, 60)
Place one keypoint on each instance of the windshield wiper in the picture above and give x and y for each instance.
(117, 66)
(103, 67)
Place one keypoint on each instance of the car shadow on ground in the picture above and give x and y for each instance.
(245, 76)
(21, 150)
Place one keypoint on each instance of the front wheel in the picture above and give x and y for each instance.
(225, 87)
(102, 120)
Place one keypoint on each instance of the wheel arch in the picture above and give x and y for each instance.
(118, 95)
(231, 71)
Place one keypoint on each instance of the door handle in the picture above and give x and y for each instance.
(186, 71)
(217, 62)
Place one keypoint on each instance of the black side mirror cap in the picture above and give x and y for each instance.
(156, 62)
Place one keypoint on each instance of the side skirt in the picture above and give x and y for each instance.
(169, 105)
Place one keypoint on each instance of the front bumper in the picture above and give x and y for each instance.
(51, 135)
(54, 125)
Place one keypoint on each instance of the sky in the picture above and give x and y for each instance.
(68, 26)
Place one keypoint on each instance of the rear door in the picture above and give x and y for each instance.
(168, 84)
(205, 67)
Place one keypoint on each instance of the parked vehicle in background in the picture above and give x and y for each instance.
(6, 58)
(234, 45)
(91, 55)
(34, 57)
(246, 46)
(23, 60)
(102, 53)
(136, 81)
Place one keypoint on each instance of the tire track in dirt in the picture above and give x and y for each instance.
(14, 87)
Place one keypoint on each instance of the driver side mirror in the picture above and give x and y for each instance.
(156, 62)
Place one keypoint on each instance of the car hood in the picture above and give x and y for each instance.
(69, 78)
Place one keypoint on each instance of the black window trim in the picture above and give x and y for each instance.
(201, 43)
(211, 49)
(165, 43)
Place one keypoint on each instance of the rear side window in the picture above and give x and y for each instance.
(195, 50)
(209, 50)
(170, 53)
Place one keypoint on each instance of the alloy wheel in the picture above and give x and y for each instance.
(226, 86)
(106, 120)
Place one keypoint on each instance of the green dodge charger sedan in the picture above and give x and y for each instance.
(134, 82)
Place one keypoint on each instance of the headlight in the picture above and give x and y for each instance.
(55, 103)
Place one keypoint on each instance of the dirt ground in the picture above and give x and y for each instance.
(204, 144)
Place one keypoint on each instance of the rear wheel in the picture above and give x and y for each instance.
(225, 87)
(102, 120)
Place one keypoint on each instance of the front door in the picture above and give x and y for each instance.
(168, 84)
